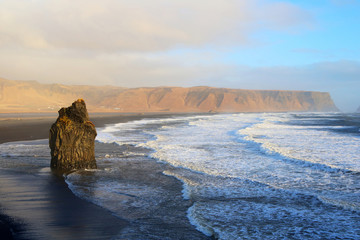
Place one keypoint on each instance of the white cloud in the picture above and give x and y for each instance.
(141, 25)
(128, 42)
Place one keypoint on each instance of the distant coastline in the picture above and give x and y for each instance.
(31, 97)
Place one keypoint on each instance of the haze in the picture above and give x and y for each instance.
(247, 44)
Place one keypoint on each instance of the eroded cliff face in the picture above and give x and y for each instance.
(72, 139)
(22, 96)
(206, 99)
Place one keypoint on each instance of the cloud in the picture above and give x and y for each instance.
(115, 40)
(142, 25)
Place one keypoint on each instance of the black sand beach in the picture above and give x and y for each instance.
(21, 127)
(39, 205)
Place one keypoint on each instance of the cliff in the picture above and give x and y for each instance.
(31, 96)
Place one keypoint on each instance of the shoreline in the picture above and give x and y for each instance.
(20, 127)
(37, 127)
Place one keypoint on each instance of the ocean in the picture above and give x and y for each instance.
(242, 176)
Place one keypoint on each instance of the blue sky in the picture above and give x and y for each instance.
(248, 44)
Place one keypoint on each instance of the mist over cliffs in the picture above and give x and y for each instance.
(31, 96)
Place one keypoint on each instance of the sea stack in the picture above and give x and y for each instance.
(72, 139)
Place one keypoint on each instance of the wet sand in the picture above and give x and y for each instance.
(20, 127)
(43, 207)
(39, 201)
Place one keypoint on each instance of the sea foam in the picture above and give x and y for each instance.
(298, 173)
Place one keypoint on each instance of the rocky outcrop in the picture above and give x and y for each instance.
(72, 139)
(30, 96)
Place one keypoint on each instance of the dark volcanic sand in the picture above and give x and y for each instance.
(44, 208)
(20, 127)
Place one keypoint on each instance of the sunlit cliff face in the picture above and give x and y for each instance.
(22, 96)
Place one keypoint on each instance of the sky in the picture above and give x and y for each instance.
(244, 44)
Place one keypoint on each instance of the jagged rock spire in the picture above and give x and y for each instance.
(72, 139)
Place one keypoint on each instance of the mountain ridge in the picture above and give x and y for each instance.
(32, 96)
